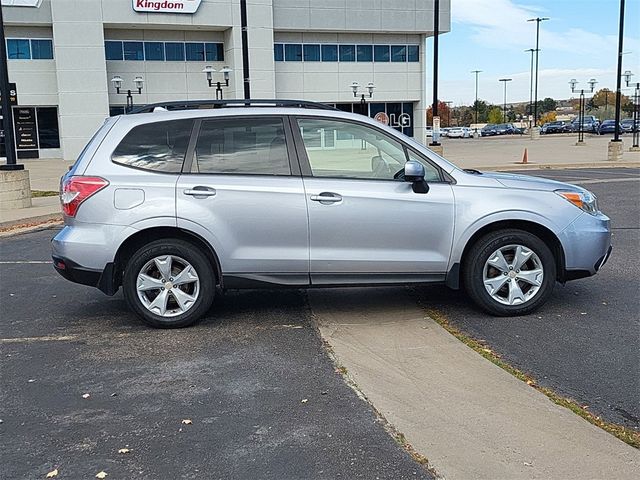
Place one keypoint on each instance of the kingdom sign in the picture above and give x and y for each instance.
(166, 6)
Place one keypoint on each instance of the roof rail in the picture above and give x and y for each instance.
(232, 103)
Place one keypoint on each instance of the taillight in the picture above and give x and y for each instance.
(76, 190)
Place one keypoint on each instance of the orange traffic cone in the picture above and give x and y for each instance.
(525, 157)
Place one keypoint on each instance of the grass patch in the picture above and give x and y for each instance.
(44, 193)
(625, 434)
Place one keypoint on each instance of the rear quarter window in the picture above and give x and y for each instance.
(159, 146)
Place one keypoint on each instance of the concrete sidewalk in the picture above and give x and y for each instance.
(470, 418)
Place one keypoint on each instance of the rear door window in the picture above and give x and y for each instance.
(242, 146)
(159, 146)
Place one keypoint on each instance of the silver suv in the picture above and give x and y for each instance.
(178, 202)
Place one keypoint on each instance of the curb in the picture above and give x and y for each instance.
(24, 225)
(556, 166)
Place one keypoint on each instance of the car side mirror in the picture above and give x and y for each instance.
(414, 173)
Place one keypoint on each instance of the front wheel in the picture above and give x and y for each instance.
(169, 284)
(509, 272)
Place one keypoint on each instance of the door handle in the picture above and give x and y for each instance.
(200, 191)
(326, 197)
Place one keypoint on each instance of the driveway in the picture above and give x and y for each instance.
(249, 393)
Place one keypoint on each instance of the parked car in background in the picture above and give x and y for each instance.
(506, 129)
(175, 206)
(429, 131)
(608, 126)
(555, 127)
(488, 131)
(590, 124)
(628, 127)
(444, 131)
(460, 132)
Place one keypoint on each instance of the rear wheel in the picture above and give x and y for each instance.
(509, 272)
(169, 284)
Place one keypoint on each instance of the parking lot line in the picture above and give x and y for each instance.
(61, 338)
(29, 262)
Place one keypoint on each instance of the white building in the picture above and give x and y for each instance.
(63, 54)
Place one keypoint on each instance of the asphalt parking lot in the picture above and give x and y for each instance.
(261, 393)
(585, 343)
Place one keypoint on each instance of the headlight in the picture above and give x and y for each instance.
(584, 200)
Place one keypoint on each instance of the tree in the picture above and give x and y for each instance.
(495, 115)
(483, 111)
(548, 105)
(548, 117)
(443, 112)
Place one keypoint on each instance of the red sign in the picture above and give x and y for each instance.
(382, 118)
(166, 6)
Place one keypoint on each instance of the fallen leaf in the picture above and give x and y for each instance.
(527, 464)
(102, 474)
(583, 313)
(488, 350)
(305, 400)
(124, 450)
(530, 382)
(52, 473)
(187, 421)
(114, 394)
(86, 395)
(31, 380)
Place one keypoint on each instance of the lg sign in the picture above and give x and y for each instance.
(165, 6)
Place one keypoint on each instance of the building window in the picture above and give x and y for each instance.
(115, 110)
(329, 53)
(174, 51)
(347, 53)
(48, 132)
(293, 52)
(133, 51)
(18, 49)
(214, 52)
(398, 53)
(195, 52)
(381, 53)
(311, 53)
(113, 50)
(364, 53)
(154, 51)
(413, 53)
(42, 49)
(278, 52)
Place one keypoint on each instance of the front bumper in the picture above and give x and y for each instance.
(587, 245)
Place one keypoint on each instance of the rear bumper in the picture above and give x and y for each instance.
(101, 279)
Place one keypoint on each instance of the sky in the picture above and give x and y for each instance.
(579, 41)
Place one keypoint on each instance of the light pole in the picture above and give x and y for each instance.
(635, 128)
(209, 71)
(476, 104)
(138, 82)
(531, 86)
(436, 34)
(537, 50)
(573, 82)
(504, 110)
(363, 102)
(616, 135)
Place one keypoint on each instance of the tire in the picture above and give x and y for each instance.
(516, 290)
(183, 304)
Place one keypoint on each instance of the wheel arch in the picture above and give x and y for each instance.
(141, 237)
(544, 233)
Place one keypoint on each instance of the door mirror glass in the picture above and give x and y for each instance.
(413, 171)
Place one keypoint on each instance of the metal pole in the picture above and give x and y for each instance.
(581, 118)
(504, 107)
(245, 49)
(7, 114)
(436, 31)
(616, 136)
(476, 104)
(635, 129)
(535, 103)
(531, 86)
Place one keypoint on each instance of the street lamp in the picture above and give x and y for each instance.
(448, 113)
(363, 102)
(537, 50)
(530, 115)
(476, 104)
(635, 128)
(209, 71)
(138, 82)
(573, 82)
(504, 110)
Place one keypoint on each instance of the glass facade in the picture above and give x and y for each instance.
(164, 51)
(400, 114)
(29, 49)
(314, 52)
